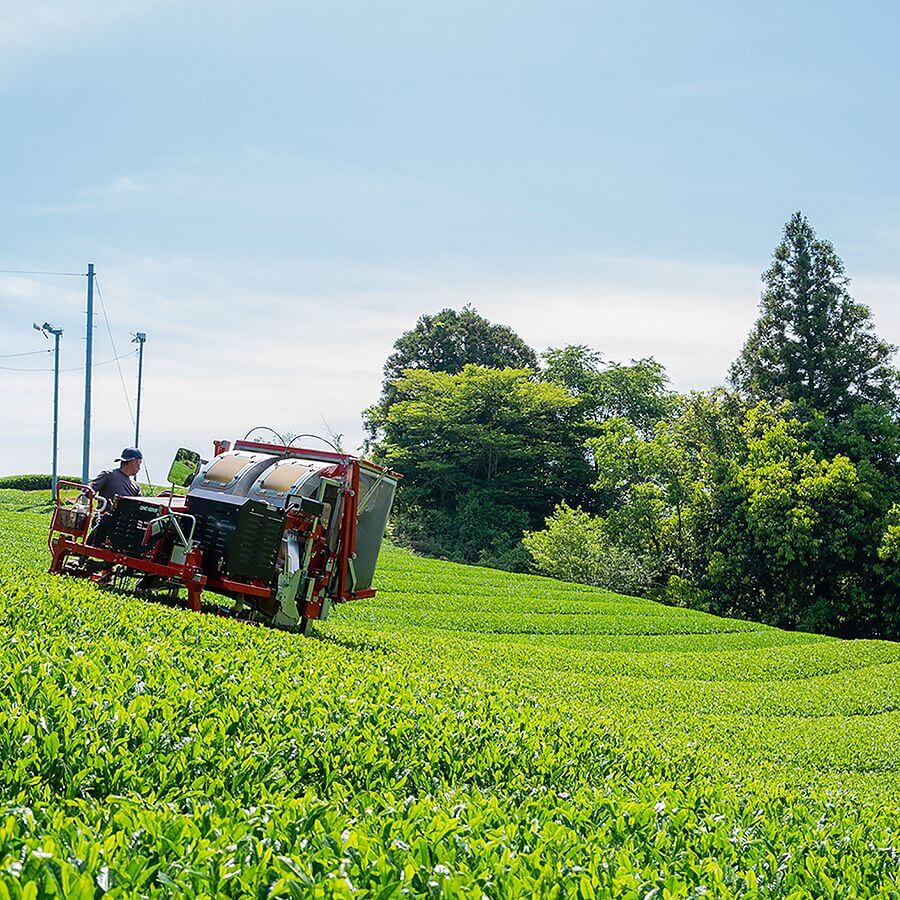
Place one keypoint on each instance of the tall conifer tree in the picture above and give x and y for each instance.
(813, 344)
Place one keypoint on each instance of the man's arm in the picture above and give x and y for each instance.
(100, 482)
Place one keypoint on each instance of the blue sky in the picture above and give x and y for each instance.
(273, 191)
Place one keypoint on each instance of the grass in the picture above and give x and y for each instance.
(468, 732)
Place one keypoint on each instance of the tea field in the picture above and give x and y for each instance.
(467, 733)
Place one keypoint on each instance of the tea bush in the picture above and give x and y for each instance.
(465, 733)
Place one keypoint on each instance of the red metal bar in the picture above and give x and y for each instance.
(228, 586)
(193, 598)
(113, 557)
(189, 573)
(278, 449)
(307, 453)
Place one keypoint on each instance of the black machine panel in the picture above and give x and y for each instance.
(124, 528)
(239, 537)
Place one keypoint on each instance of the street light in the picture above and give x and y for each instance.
(46, 330)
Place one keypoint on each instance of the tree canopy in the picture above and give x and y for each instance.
(638, 391)
(449, 340)
(813, 344)
(778, 500)
(500, 430)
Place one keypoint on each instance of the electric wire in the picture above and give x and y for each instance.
(27, 272)
(29, 353)
(105, 362)
(113, 345)
(116, 359)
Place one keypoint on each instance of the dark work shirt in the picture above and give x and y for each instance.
(114, 482)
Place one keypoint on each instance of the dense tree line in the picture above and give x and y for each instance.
(776, 497)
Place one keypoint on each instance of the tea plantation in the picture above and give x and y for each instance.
(467, 733)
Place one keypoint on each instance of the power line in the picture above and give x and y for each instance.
(29, 353)
(116, 360)
(27, 272)
(113, 345)
(105, 362)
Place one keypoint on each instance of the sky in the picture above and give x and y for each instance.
(274, 191)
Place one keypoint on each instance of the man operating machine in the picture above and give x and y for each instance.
(283, 531)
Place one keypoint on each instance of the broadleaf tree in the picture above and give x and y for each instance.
(478, 447)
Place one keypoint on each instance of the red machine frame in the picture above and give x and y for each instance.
(66, 540)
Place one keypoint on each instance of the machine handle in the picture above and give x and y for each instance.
(186, 542)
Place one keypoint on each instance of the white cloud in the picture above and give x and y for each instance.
(111, 196)
(229, 349)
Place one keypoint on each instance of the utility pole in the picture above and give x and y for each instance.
(88, 360)
(57, 334)
(139, 339)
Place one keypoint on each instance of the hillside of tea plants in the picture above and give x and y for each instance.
(466, 733)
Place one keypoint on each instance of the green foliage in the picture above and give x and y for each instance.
(449, 340)
(799, 531)
(465, 733)
(813, 345)
(637, 392)
(480, 530)
(484, 452)
(32, 482)
(575, 546)
(889, 551)
(738, 510)
(888, 568)
(461, 506)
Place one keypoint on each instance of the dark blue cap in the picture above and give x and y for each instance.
(130, 453)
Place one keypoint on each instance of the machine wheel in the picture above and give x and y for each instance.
(305, 624)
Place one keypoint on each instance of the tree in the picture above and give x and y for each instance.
(889, 569)
(449, 340)
(638, 391)
(653, 491)
(482, 451)
(813, 345)
(797, 533)
(446, 342)
(649, 484)
(575, 546)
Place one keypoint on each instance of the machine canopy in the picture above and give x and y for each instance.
(226, 468)
(285, 474)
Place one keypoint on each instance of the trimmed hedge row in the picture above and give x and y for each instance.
(32, 482)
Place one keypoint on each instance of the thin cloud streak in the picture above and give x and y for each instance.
(39, 24)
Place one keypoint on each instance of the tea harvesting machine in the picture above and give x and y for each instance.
(285, 532)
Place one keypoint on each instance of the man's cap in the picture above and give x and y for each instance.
(130, 453)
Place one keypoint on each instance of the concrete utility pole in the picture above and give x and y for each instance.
(139, 339)
(88, 361)
(48, 329)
